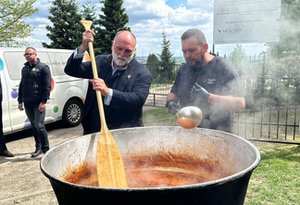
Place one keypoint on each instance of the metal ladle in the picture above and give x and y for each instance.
(189, 117)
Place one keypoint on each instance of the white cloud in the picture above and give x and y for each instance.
(152, 7)
(201, 3)
(39, 20)
(147, 19)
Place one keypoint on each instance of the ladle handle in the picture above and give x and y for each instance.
(87, 25)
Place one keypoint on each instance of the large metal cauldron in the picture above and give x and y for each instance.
(228, 151)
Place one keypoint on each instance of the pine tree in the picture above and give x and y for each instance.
(167, 61)
(88, 12)
(111, 21)
(66, 31)
(153, 65)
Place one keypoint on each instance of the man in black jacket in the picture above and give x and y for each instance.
(123, 82)
(34, 91)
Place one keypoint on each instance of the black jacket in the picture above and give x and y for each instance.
(35, 83)
(130, 91)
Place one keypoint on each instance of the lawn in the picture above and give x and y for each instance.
(277, 178)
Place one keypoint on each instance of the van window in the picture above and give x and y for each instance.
(42, 55)
(58, 62)
(15, 62)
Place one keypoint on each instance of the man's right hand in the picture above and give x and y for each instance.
(173, 107)
(20, 107)
(87, 36)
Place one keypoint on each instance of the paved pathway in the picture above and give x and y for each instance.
(21, 180)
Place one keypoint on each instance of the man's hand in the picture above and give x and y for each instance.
(173, 107)
(99, 84)
(42, 107)
(199, 92)
(20, 106)
(87, 36)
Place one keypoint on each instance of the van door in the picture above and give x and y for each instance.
(5, 110)
(14, 61)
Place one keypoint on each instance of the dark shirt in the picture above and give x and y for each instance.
(217, 77)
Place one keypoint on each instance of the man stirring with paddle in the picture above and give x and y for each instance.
(123, 82)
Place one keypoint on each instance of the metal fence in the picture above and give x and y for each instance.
(269, 117)
(275, 124)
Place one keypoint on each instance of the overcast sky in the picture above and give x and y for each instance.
(147, 20)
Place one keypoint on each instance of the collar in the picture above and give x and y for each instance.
(32, 64)
(114, 68)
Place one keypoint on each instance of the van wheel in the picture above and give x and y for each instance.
(72, 113)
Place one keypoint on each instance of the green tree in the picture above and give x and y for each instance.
(284, 67)
(110, 22)
(153, 64)
(12, 13)
(167, 61)
(66, 30)
(88, 12)
(238, 58)
(289, 43)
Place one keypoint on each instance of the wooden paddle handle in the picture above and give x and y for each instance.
(110, 166)
(87, 25)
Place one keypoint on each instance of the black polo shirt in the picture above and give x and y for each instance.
(217, 77)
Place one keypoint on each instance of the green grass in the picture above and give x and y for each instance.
(158, 117)
(156, 85)
(277, 178)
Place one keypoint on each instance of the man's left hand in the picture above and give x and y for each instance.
(99, 84)
(42, 107)
(197, 91)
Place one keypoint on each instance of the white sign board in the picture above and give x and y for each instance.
(246, 21)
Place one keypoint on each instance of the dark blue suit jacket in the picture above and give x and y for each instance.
(130, 91)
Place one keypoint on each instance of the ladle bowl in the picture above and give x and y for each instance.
(189, 117)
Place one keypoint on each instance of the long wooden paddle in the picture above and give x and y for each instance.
(110, 166)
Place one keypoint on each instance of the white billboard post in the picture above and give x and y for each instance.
(246, 21)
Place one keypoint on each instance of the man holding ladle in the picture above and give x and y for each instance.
(207, 82)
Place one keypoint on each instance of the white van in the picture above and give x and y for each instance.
(66, 96)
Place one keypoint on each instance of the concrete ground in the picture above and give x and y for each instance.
(21, 180)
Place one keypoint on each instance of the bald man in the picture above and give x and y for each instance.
(123, 82)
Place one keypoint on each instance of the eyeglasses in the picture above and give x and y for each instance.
(28, 54)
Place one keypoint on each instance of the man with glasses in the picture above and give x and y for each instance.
(34, 91)
(206, 81)
(123, 82)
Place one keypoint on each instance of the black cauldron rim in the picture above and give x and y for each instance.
(207, 184)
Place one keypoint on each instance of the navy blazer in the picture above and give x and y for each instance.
(130, 91)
